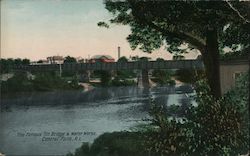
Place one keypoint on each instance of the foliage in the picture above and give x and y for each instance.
(168, 138)
(214, 127)
(123, 74)
(217, 125)
(154, 23)
(7, 64)
(189, 75)
(69, 59)
(163, 77)
(160, 59)
(105, 77)
(113, 144)
(178, 57)
(144, 59)
(42, 82)
(123, 59)
(238, 55)
(240, 97)
(40, 61)
(19, 82)
(49, 81)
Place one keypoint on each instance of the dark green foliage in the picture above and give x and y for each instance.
(48, 82)
(163, 77)
(189, 75)
(123, 59)
(7, 64)
(42, 82)
(214, 127)
(154, 23)
(238, 55)
(240, 97)
(123, 74)
(69, 59)
(144, 59)
(25, 62)
(19, 82)
(40, 61)
(114, 144)
(178, 57)
(104, 75)
(68, 73)
(160, 59)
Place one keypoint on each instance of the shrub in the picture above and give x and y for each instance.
(19, 82)
(214, 127)
(113, 144)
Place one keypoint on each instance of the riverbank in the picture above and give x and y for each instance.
(86, 86)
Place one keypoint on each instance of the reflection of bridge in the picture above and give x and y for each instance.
(143, 66)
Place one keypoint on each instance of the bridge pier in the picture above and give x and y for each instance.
(143, 78)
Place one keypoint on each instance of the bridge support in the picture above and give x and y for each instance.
(143, 79)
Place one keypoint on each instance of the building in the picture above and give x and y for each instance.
(229, 71)
(101, 58)
(55, 59)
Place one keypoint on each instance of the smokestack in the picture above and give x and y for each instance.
(119, 52)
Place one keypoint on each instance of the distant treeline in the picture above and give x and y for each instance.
(21, 82)
(7, 64)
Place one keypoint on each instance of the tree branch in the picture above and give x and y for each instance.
(238, 13)
(185, 36)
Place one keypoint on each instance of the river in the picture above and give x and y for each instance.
(55, 123)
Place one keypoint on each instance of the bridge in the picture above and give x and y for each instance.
(142, 66)
(136, 65)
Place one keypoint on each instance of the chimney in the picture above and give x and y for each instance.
(119, 52)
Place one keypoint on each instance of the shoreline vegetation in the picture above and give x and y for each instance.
(46, 82)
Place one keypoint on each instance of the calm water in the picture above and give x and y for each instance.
(56, 123)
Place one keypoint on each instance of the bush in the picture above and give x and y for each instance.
(113, 144)
(214, 127)
(19, 82)
(163, 77)
(189, 75)
(42, 82)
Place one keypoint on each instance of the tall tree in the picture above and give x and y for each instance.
(207, 26)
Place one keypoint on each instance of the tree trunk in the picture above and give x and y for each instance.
(211, 62)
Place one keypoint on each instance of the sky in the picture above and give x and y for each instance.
(36, 29)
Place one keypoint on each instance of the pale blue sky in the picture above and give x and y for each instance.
(36, 29)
